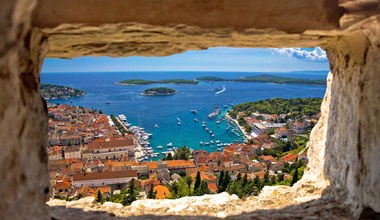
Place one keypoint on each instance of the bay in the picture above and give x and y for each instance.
(164, 110)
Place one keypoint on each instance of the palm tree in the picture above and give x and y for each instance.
(189, 181)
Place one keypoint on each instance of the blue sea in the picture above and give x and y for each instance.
(164, 110)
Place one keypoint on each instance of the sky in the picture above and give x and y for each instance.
(212, 59)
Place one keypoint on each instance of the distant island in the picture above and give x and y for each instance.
(164, 81)
(158, 91)
(50, 91)
(267, 78)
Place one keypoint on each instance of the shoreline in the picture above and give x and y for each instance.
(249, 137)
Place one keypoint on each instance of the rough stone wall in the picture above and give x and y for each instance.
(344, 146)
(353, 141)
(23, 116)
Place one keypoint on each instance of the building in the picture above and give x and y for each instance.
(113, 149)
(72, 152)
(103, 178)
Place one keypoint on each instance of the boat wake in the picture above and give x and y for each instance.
(218, 92)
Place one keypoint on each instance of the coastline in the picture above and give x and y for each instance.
(249, 137)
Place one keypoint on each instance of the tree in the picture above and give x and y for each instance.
(189, 181)
(169, 156)
(295, 177)
(238, 178)
(220, 182)
(197, 183)
(203, 188)
(226, 181)
(152, 194)
(175, 189)
(132, 193)
(219, 162)
(99, 198)
(245, 180)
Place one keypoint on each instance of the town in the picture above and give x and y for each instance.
(92, 154)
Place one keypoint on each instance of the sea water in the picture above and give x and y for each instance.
(158, 114)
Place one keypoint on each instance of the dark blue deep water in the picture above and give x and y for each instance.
(164, 110)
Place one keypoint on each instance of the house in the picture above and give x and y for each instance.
(289, 158)
(179, 165)
(112, 149)
(236, 168)
(103, 178)
(281, 132)
(72, 152)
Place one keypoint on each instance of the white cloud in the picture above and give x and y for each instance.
(315, 55)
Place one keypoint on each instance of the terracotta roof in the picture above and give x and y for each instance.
(110, 144)
(162, 192)
(151, 165)
(105, 175)
(260, 174)
(179, 163)
(212, 186)
(289, 157)
(64, 184)
(268, 158)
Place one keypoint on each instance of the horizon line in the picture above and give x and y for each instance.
(126, 71)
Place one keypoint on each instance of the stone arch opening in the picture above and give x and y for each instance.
(344, 144)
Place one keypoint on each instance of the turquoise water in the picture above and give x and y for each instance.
(164, 110)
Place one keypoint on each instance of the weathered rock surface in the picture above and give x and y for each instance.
(344, 148)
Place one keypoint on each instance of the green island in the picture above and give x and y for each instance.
(158, 91)
(164, 81)
(50, 91)
(267, 78)
(294, 107)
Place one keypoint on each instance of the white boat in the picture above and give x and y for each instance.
(170, 144)
(194, 111)
(196, 119)
(156, 126)
(219, 149)
(207, 129)
(179, 123)
(212, 135)
(223, 89)
(217, 141)
(178, 119)
(211, 142)
(207, 143)
(201, 143)
(159, 147)
(225, 106)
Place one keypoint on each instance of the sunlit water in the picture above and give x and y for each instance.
(164, 110)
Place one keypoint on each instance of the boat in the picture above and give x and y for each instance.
(159, 147)
(207, 129)
(156, 126)
(201, 143)
(210, 132)
(170, 144)
(212, 135)
(219, 149)
(211, 141)
(218, 122)
(179, 123)
(194, 111)
(203, 124)
(178, 119)
(107, 103)
(170, 149)
(207, 143)
(217, 141)
(196, 119)
(225, 106)
(222, 90)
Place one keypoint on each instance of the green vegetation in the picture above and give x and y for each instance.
(126, 197)
(118, 125)
(159, 91)
(99, 197)
(164, 81)
(295, 107)
(210, 79)
(267, 78)
(183, 153)
(151, 194)
(49, 91)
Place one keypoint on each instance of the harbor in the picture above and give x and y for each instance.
(215, 127)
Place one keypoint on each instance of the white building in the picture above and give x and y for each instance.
(103, 178)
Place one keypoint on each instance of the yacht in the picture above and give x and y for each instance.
(212, 135)
(225, 106)
(196, 119)
(211, 141)
(178, 119)
(156, 126)
(207, 143)
(179, 123)
(194, 111)
(159, 147)
(201, 143)
(170, 144)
